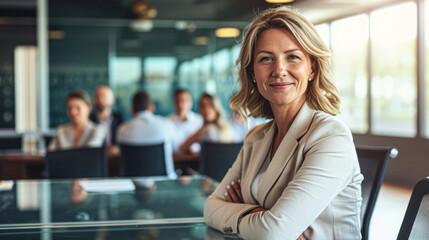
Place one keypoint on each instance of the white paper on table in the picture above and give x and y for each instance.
(117, 185)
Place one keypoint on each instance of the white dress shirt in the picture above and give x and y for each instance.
(185, 129)
(147, 128)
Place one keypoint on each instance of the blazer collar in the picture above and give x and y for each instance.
(284, 153)
(86, 134)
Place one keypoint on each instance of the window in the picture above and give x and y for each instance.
(427, 65)
(159, 76)
(393, 55)
(323, 30)
(349, 67)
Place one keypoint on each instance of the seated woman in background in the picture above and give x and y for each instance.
(215, 127)
(298, 175)
(240, 126)
(80, 132)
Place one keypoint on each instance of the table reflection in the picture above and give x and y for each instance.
(194, 231)
(66, 202)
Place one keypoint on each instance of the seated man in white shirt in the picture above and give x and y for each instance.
(147, 128)
(186, 121)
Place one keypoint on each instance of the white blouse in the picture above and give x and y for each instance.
(256, 184)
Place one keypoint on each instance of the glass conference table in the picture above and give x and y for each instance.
(118, 208)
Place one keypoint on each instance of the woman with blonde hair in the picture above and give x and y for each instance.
(215, 128)
(296, 176)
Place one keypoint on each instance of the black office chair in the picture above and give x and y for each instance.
(76, 163)
(373, 163)
(8, 143)
(47, 139)
(142, 160)
(216, 158)
(416, 220)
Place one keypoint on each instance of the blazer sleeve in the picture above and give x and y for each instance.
(326, 170)
(221, 214)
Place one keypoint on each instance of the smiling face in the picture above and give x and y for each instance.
(183, 103)
(281, 68)
(208, 112)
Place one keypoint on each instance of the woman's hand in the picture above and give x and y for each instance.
(233, 193)
(185, 147)
(301, 237)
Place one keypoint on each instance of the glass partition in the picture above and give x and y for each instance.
(88, 48)
(349, 66)
(426, 37)
(393, 54)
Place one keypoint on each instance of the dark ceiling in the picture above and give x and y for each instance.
(109, 22)
(83, 20)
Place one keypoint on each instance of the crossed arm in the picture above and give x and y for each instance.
(325, 172)
(233, 195)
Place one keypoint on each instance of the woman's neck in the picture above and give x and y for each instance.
(80, 126)
(284, 116)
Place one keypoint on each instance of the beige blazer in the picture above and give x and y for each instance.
(93, 136)
(312, 184)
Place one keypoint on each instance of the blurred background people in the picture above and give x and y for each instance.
(80, 132)
(186, 121)
(104, 115)
(239, 126)
(147, 128)
(216, 127)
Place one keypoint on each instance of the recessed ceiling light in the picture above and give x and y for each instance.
(279, 1)
(141, 25)
(56, 34)
(227, 32)
(200, 40)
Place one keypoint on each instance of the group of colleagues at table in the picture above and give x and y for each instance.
(296, 176)
(181, 132)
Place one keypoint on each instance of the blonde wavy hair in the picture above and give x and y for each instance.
(225, 132)
(321, 93)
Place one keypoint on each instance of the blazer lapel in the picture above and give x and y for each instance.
(257, 156)
(285, 151)
(85, 135)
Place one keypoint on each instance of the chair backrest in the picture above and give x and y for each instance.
(76, 163)
(416, 220)
(14, 142)
(142, 160)
(216, 158)
(47, 139)
(373, 163)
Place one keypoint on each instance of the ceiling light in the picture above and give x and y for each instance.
(279, 1)
(192, 27)
(181, 25)
(141, 25)
(143, 9)
(56, 34)
(227, 32)
(200, 41)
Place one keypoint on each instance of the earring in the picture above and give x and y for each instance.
(310, 79)
(254, 80)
